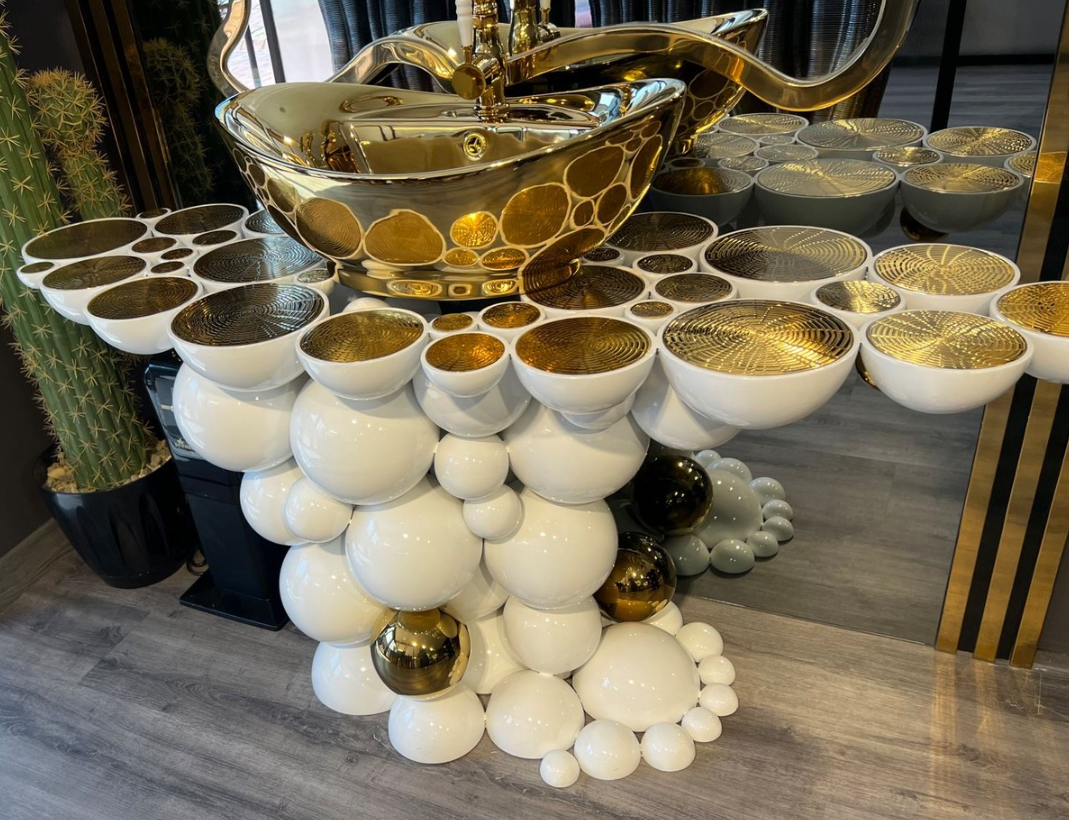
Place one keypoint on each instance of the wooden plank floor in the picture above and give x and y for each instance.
(119, 705)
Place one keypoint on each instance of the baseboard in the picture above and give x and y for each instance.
(29, 560)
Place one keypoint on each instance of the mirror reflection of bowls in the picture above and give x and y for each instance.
(260, 224)
(69, 288)
(665, 264)
(509, 319)
(756, 363)
(596, 290)
(651, 313)
(843, 194)
(187, 224)
(82, 240)
(785, 261)
(32, 273)
(152, 248)
(857, 301)
(908, 156)
(245, 338)
(135, 316)
(718, 194)
(452, 323)
(977, 143)
(1040, 312)
(465, 365)
(859, 137)
(153, 215)
(748, 165)
(716, 145)
(936, 361)
(775, 154)
(213, 239)
(320, 277)
(267, 259)
(778, 139)
(604, 255)
(662, 232)
(684, 291)
(584, 364)
(940, 276)
(762, 124)
(958, 196)
(364, 354)
(170, 269)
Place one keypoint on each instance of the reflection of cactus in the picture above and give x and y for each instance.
(70, 122)
(176, 86)
(82, 388)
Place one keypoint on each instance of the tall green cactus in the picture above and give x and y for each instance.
(83, 390)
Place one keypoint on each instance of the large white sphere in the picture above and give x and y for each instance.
(364, 452)
(471, 468)
(607, 750)
(344, 679)
(720, 699)
(495, 517)
(667, 747)
(414, 552)
(263, 495)
(702, 725)
(437, 730)
(569, 464)
(482, 415)
(234, 430)
(322, 597)
(530, 715)
(490, 659)
(666, 419)
(700, 640)
(559, 769)
(314, 515)
(560, 554)
(735, 512)
(480, 597)
(553, 641)
(639, 675)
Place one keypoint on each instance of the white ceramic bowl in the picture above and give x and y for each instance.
(152, 248)
(662, 231)
(907, 156)
(669, 421)
(170, 269)
(789, 152)
(981, 144)
(202, 243)
(684, 291)
(321, 278)
(762, 124)
(857, 301)
(721, 145)
(656, 265)
(595, 290)
(651, 314)
(32, 273)
(465, 365)
(509, 319)
(186, 224)
(949, 197)
(718, 194)
(748, 165)
(272, 259)
(450, 323)
(152, 215)
(604, 255)
(859, 137)
(135, 316)
(83, 240)
(1040, 312)
(778, 139)
(69, 288)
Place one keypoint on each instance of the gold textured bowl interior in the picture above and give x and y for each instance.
(465, 352)
(153, 213)
(215, 238)
(661, 231)
(603, 254)
(951, 341)
(177, 254)
(785, 253)
(362, 335)
(94, 273)
(154, 244)
(701, 181)
(1042, 307)
(744, 164)
(907, 156)
(693, 287)
(944, 270)
(255, 260)
(979, 141)
(861, 133)
(762, 124)
(583, 345)
(858, 296)
(961, 178)
(248, 315)
(511, 315)
(167, 267)
(37, 267)
(593, 287)
(142, 297)
(758, 337)
(86, 239)
(663, 263)
(262, 222)
(651, 309)
(1023, 163)
(198, 219)
(314, 276)
(721, 146)
(820, 178)
(786, 153)
(452, 321)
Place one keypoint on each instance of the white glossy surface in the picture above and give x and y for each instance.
(483, 415)
(559, 769)
(490, 660)
(736, 511)
(700, 640)
(720, 699)
(72, 303)
(767, 489)
(263, 495)
(667, 747)
(553, 641)
(471, 468)
(669, 619)
(466, 384)
(602, 419)
(141, 336)
(702, 725)
(344, 679)
(763, 544)
(530, 715)
(716, 669)
(720, 208)
(955, 211)
(780, 527)
(732, 465)
(668, 420)
(962, 303)
(437, 730)
(689, 554)
(479, 598)
(607, 750)
(314, 515)
(852, 213)
(186, 238)
(1050, 359)
(495, 517)
(732, 556)
(122, 250)
(33, 280)
(777, 508)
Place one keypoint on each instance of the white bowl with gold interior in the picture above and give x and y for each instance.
(651, 313)
(684, 291)
(662, 232)
(364, 354)
(69, 288)
(202, 243)
(785, 261)
(171, 269)
(786, 152)
(860, 137)
(1022, 164)
(260, 224)
(276, 259)
(748, 165)
(656, 265)
(941, 276)
(152, 248)
(583, 364)
(32, 273)
(594, 290)
(715, 145)
(935, 361)
(321, 277)
(778, 139)
(762, 124)
(246, 338)
(186, 224)
(982, 144)
(135, 316)
(718, 194)
(465, 365)
(84, 240)
(151, 216)
(756, 363)
(509, 319)
(857, 301)
(1040, 312)
(952, 197)
(906, 156)
(450, 323)
(604, 255)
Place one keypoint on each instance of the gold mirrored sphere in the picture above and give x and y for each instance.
(420, 653)
(671, 494)
(642, 581)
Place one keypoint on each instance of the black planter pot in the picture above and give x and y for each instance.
(132, 536)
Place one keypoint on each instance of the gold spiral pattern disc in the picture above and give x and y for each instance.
(762, 124)
(693, 287)
(662, 263)
(142, 297)
(362, 335)
(701, 181)
(465, 352)
(961, 178)
(906, 156)
(783, 253)
(722, 146)
(247, 315)
(153, 213)
(592, 287)
(651, 309)
(944, 270)
(660, 231)
(786, 153)
(94, 273)
(952, 341)
(86, 239)
(747, 165)
(37, 267)
(603, 254)
(199, 219)
(313, 276)
(583, 345)
(509, 315)
(827, 177)
(1043, 307)
(177, 254)
(979, 141)
(154, 244)
(861, 133)
(1023, 163)
(215, 238)
(452, 321)
(255, 260)
(262, 222)
(167, 267)
(858, 296)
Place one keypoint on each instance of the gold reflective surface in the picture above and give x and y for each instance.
(906, 156)
(94, 273)
(177, 254)
(953, 341)
(744, 164)
(785, 153)
(602, 254)
(583, 345)
(85, 239)
(255, 260)
(142, 297)
(979, 141)
(651, 309)
(362, 335)
(198, 219)
(826, 177)
(858, 296)
(942, 269)
(662, 232)
(961, 178)
(662, 263)
(701, 181)
(452, 321)
(167, 267)
(693, 287)
(1042, 306)
(154, 244)
(861, 133)
(420, 653)
(720, 146)
(592, 287)
(763, 124)
(511, 315)
(262, 222)
(1023, 163)
(247, 315)
(214, 238)
(782, 253)
(465, 352)
(313, 276)
(37, 267)
(642, 580)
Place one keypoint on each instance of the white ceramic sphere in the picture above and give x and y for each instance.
(702, 725)
(437, 730)
(716, 669)
(720, 699)
(667, 747)
(554, 640)
(779, 527)
(668, 420)
(639, 675)
(669, 619)
(495, 517)
(314, 515)
(569, 464)
(263, 496)
(414, 552)
(471, 468)
(763, 544)
(490, 660)
(688, 553)
(767, 489)
(700, 640)
(322, 597)
(707, 458)
(776, 507)
(735, 512)
(732, 556)
(559, 555)
(530, 715)
(363, 452)
(365, 303)
(483, 415)
(559, 769)
(480, 597)
(344, 679)
(235, 431)
(607, 750)
(733, 465)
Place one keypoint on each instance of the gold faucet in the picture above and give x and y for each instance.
(481, 77)
(529, 28)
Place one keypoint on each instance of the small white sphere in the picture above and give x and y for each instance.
(720, 699)
(495, 517)
(732, 556)
(779, 527)
(669, 619)
(553, 641)
(490, 660)
(314, 515)
(345, 680)
(733, 465)
(716, 669)
(700, 640)
(763, 544)
(689, 554)
(707, 458)
(667, 747)
(365, 303)
(263, 495)
(471, 468)
(530, 715)
(482, 596)
(768, 489)
(437, 730)
(776, 507)
(702, 725)
(559, 769)
(607, 750)
(735, 512)
(482, 415)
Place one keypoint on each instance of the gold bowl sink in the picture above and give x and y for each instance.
(413, 194)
